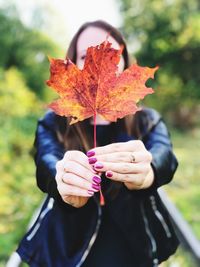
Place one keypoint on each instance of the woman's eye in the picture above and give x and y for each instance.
(83, 57)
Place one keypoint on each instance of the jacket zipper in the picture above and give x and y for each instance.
(150, 235)
(160, 217)
(93, 238)
(41, 217)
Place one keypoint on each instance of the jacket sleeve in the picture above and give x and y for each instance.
(164, 162)
(48, 150)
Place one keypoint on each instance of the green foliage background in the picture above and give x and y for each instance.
(165, 33)
(24, 68)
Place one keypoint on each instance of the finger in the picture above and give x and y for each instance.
(76, 156)
(59, 165)
(74, 180)
(80, 170)
(139, 156)
(79, 157)
(131, 146)
(70, 190)
(123, 167)
(136, 179)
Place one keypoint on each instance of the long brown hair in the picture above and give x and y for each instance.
(77, 135)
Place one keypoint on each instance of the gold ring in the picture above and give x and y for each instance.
(132, 158)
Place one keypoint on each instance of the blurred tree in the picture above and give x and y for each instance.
(23, 70)
(26, 49)
(167, 33)
(19, 109)
(43, 16)
(16, 100)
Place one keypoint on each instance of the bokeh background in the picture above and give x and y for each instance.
(158, 32)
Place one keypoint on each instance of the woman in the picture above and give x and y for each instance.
(132, 159)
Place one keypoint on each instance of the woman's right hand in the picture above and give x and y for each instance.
(76, 180)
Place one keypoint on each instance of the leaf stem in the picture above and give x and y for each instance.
(95, 129)
(102, 200)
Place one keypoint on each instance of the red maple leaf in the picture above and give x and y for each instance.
(98, 88)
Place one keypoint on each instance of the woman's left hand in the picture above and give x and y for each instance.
(127, 162)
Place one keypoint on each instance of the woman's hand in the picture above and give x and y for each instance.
(127, 162)
(76, 179)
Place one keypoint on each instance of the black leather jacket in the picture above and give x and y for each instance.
(63, 235)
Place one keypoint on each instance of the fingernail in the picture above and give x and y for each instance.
(96, 179)
(96, 187)
(90, 153)
(98, 165)
(109, 173)
(92, 160)
(90, 192)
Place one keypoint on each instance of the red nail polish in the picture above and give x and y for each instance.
(98, 165)
(92, 160)
(109, 174)
(96, 179)
(96, 187)
(90, 153)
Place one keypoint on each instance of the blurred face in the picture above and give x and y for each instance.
(93, 36)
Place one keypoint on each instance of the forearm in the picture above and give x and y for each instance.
(45, 174)
(48, 150)
(164, 162)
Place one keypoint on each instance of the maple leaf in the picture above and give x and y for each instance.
(98, 88)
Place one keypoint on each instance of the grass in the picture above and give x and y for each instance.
(19, 195)
(184, 190)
